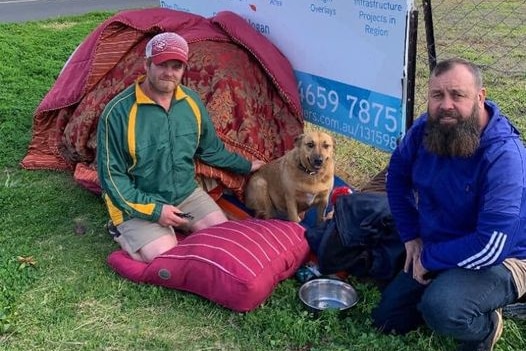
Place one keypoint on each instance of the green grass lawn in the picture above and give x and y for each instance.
(58, 293)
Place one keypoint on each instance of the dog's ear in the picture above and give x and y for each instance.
(298, 139)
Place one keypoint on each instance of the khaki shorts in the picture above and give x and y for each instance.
(137, 232)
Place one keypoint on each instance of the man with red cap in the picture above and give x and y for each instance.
(147, 139)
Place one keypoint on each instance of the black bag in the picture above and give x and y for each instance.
(360, 239)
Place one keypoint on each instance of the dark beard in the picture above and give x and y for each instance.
(460, 140)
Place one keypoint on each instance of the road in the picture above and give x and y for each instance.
(32, 10)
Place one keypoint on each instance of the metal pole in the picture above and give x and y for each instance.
(411, 68)
(430, 34)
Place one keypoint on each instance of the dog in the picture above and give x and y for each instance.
(300, 179)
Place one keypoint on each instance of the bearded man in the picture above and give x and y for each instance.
(457, 191)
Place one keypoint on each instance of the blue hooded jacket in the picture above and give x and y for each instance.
(470, 212)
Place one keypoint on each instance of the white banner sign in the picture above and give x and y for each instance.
(349, 57)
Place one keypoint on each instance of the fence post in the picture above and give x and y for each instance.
(430, 34)
(411, 68)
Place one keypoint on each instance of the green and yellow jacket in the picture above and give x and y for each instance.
(145, 155)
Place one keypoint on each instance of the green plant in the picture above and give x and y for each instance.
(56, 291)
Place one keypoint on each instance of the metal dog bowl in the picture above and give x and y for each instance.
(323, 293)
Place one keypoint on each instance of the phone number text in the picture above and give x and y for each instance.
(374, 114)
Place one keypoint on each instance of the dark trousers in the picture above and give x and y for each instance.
(457, 303)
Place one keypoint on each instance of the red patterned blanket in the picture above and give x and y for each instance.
(246, 83)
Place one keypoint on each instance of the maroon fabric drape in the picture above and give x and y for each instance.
(247, 84)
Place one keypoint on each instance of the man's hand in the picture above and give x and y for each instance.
(256, 164)
(413, 249)
(169, 217)
(419, 272)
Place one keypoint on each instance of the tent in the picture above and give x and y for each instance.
(247, 84)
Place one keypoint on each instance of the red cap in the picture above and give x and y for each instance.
(167, 46)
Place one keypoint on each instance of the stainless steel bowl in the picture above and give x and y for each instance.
(323, 293)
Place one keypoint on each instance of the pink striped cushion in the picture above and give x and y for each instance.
(236, 264)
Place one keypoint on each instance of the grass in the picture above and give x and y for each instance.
(56, 291)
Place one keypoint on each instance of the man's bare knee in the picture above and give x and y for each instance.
(157, 247)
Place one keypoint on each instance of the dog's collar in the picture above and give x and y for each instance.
(306, 170)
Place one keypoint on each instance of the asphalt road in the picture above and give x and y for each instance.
(32, 10)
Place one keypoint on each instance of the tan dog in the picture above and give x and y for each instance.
(300, 179)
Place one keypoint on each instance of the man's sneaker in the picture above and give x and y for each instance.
(498, 326)
(491, 340)
(112, 230)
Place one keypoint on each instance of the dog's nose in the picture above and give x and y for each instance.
(318, 161)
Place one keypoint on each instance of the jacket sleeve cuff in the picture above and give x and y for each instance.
(248, 167)
(156, 213)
